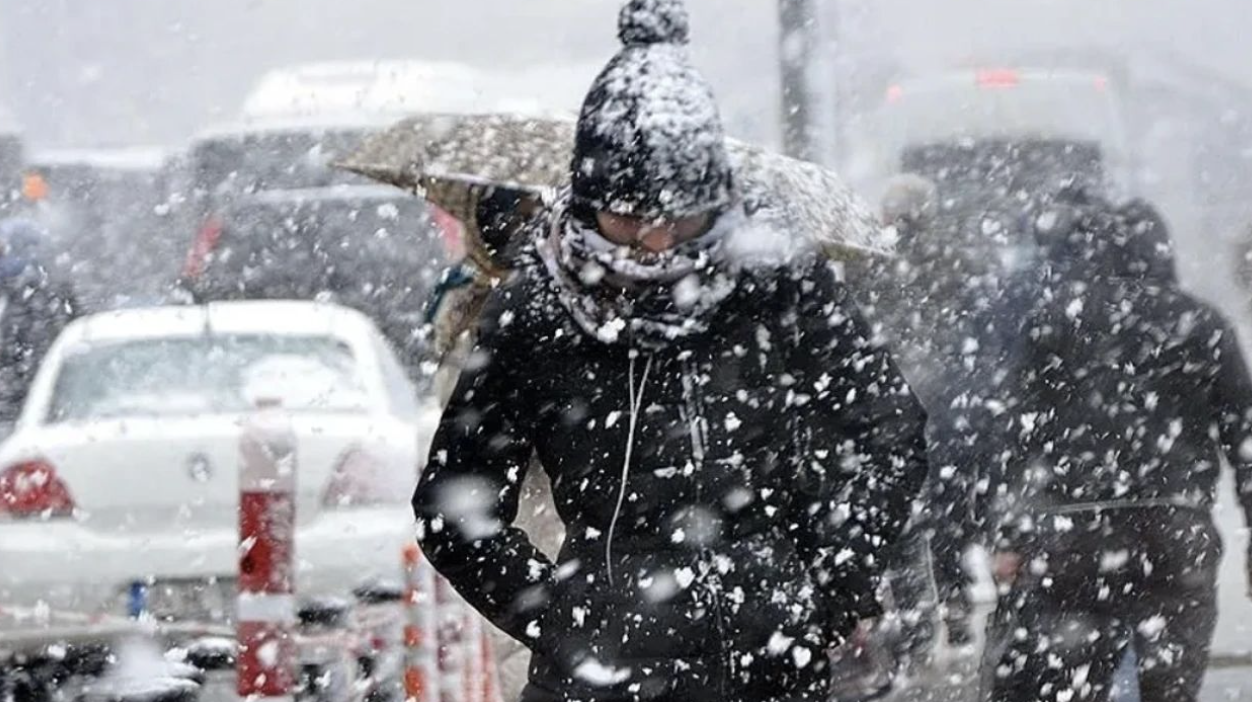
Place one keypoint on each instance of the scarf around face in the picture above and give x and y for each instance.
(617, 295)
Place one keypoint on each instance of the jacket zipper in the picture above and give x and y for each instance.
(693, 409)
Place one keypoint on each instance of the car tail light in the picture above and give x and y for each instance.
(32, 489)
(998, 78)
(360, 480)
(206, 240)
(895, 93)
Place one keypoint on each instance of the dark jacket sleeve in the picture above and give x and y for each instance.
(1016, 425)
(863, 448)
(467, 499)
(1233, 413)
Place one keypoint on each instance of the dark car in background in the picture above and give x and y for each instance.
(225, 164)
(107, 214)
(991, 189)
(367, 247)
(994, 141)
(10, 158)
(11, 148)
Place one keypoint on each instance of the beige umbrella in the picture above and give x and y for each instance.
(454, 159)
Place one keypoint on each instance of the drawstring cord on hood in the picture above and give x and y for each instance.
(636, 404)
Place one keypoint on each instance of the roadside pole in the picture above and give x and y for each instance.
(267, 525)
(798, 45)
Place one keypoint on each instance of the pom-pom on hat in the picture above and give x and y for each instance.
(650, 141)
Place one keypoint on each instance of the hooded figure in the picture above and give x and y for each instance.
(34, 308)
(728, 449)
(1127, 397)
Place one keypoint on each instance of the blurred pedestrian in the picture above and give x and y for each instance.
(918, 299)
(35, 305)
(1128, 395)
(729, 449)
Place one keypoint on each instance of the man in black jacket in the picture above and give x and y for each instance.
(1129, 394)
(728, 449)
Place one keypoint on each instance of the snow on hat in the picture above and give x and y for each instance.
(650, 141)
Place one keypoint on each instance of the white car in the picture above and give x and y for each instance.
(122, 472)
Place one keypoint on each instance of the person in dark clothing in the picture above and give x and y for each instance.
(1129, 394)
(919, 301)
(34, 308)
(728, 449)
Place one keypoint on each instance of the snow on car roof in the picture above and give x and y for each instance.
(284, 318)
(330, 193)
(365, 94)
(394, 87)
(327, 122)
(144, 158)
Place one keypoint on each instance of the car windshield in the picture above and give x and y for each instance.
(219, 374)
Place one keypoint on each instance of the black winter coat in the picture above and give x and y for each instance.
(1128, 393)
(724, 499)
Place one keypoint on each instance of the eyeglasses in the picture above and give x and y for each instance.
(653, 235)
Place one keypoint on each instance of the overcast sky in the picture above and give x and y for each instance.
(86, 72)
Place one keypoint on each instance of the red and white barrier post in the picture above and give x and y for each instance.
(475, 666)
(491, 674)
(421, 634)
(452, 642)
(267, 528)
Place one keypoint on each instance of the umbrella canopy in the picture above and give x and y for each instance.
(453, 160)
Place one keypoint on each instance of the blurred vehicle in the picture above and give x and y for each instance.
(284, 170)
(238, 160)
(400, 88)
(361, 246)
(993, 141)
(11, 152)
(298, 119)
(123, 468)
(104, 209)
(266, 215)
(269, 178)
(388, 89)
(1003, 105)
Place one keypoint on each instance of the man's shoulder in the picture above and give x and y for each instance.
(801, 280)
(524, 303)
(1172, 305)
